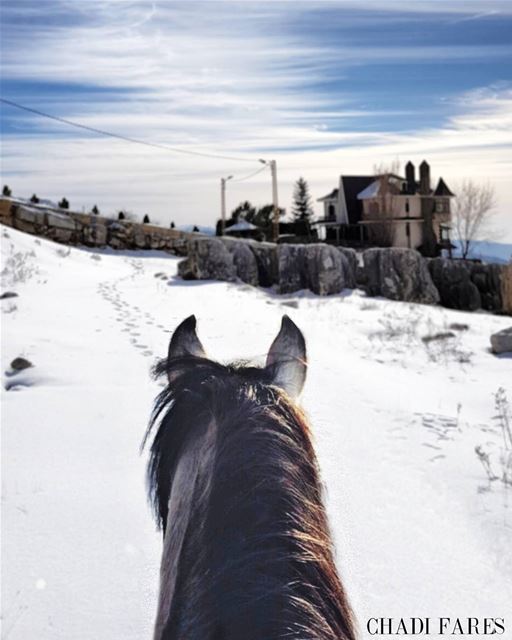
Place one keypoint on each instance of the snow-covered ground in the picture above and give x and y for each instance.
(418, 528)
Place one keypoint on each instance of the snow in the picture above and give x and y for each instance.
(243, 225)
(371, 191)
(418, 528)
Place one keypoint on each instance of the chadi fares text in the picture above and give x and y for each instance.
(438, 626)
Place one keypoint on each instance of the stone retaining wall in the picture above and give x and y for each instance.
(91, 230)
(398, 274)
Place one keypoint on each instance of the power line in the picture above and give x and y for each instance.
(254, 173)
(125, 138)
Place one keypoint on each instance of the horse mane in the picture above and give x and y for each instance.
(257, 561)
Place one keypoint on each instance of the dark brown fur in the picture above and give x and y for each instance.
(257, 559)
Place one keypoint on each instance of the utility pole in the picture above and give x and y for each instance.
(275, 217)
(223, 204)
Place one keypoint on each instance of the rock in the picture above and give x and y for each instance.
(266, 262)
(506, 290)
(487, 279)
(62, 235)
(453, 281)
(95, 234)
(61, 221)
(33, 216)
(141, 239)
(18, 364)
(501, 342)
(8, 294)
(291, 268)
(244, 261)
(325, 269)
(209, 259)
(185, 270)
(399, 274)
(350, 266)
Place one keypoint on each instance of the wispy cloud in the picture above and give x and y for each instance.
(303, 82)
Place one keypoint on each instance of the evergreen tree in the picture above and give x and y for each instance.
(302, 208)
(244, 211)
(195, 229)
(146, 219)
(64, 204)
(34, 199)
(6, 191)
(173, 226)
(265, 215)
(120, 216)
(95, 210)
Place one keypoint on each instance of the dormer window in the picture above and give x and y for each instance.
(439, 206)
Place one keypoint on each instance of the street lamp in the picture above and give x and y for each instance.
(223, 204)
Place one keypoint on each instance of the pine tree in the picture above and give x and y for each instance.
(245, 211)
(95, 210)
(6, 191)
(64, 204)
(120, 216)
(302, 208)
(146, 219)
(34, 199)
(173, 226)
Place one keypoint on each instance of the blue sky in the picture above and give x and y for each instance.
(323, 87)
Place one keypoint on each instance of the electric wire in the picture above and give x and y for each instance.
(125, 138)
(250, 175)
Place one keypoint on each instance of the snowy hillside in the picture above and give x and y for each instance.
(419, 530)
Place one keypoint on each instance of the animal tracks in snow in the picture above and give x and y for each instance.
(129, 316)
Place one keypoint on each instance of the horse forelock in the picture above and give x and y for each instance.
(258, 538)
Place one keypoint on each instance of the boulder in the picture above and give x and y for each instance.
(60, 221)
(32, 216)
(453, 281)
(18, 364)
(506, 289)
(266, 262)
(244, 261)
(209, 259)
(95, 235)
(326, 270)
(350, 266)
(291, 268)
(488, 280)
(141, 239)
(501, 342)
(398, 274)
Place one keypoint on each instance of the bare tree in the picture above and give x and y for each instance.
(381, 230)
(472, 214)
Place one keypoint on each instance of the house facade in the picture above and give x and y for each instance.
(389, 210)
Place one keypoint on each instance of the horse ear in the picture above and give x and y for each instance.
(184, 341)
(287, 358)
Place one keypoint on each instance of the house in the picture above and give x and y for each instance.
(389, 210)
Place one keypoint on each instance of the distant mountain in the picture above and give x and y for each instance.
(497, 252)
(209, 231)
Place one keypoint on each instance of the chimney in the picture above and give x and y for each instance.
(409, 175)
(424, 178)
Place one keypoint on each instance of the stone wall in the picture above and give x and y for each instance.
(397, 274)
(91, 230)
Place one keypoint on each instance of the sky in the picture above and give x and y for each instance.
(324, 88)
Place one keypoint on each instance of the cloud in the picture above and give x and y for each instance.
(241, 78)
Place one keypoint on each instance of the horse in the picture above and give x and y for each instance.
(234, 483)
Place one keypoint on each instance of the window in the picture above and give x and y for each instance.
(331, 212)
(439, 206)
(407, 205)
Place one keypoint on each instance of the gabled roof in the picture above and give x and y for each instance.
(330, 196)
(352, 185)
(442, 189)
